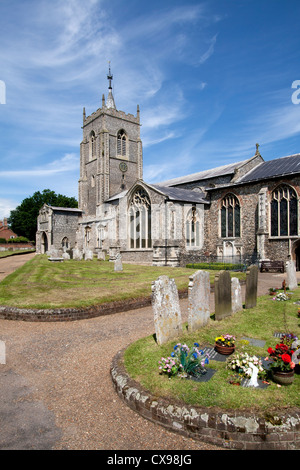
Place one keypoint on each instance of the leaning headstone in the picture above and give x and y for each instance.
(2, 353)
(223, 306)
(118, 263)
(88, 255)
(77, 254)
(236, 295)
(198, 300)
(166, 308)
(291, 275)
(251, 286)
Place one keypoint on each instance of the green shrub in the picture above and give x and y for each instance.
(18, 240)
(216, 266)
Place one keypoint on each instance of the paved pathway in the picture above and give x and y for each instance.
(56, 391)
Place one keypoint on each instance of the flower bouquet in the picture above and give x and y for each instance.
(240, 363)
(282, 297)
(184, 361)
(225, 344)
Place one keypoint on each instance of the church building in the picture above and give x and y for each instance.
(247, 210)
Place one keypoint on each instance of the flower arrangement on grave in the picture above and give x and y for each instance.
(240, 364)
(272, 290)
(281, 355)
(225, 344)
(184, 361)
(281, 297)
(225, 340)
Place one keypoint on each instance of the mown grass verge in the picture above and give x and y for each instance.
(44, 284)
(141, 360)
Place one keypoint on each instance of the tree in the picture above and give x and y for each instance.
(23, 219)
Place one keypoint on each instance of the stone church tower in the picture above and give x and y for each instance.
(111, 157)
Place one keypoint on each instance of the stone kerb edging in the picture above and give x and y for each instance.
(232, 429)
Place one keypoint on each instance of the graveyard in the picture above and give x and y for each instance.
(140, 373)
(255, 330)
(42, 284)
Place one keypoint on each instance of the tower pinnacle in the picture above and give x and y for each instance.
(110, 103)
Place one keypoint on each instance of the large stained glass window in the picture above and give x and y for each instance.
(140, 220)
(284, 212)
(230, 217)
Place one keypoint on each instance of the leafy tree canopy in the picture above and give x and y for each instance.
(23, 219)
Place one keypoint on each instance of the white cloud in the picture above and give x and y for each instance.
(6, 206)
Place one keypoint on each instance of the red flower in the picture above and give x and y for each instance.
(286, 358)
(271, 351)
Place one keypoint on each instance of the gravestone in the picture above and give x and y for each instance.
(2, 353)
(88, 255)
(198, 300)
(118, 263)
(291, 275)
(101, 255)
(251, 287)
(77, 254)
(236, 295)
(65, 255)
(223, 306)
(166, 308)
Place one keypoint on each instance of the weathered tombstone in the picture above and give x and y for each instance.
(53, 252)
(101, 255)
(2, 353)
(77, 254)
(251, 286)
(65, 255)
(118, 263)
(223, 306)
(291, 275)
(236, 295)
(198, 300)
(166, 308)
(88, 255)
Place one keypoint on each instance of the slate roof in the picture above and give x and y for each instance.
(206, 174)
(182, 195)
(273, 168)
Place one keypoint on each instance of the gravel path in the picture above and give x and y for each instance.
(57, 392)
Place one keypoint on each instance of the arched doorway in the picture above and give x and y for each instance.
(44, 243)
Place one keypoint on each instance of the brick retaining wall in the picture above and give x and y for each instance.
(232, 429)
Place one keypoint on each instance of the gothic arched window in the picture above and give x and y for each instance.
(122, 144)
(92, 145)
(230, 217)
(284, 212)
(192, 228)
(140, 220)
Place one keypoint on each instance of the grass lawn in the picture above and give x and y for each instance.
(141, 360)
(44, 284)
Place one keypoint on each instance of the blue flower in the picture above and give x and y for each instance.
(196, 344)
(172, 354)
(195, 355)
(206, 361)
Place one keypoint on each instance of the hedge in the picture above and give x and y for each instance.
(216, 266)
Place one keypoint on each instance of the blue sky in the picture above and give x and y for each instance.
(211, 78)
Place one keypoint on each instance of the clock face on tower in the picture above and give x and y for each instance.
(123, 167)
